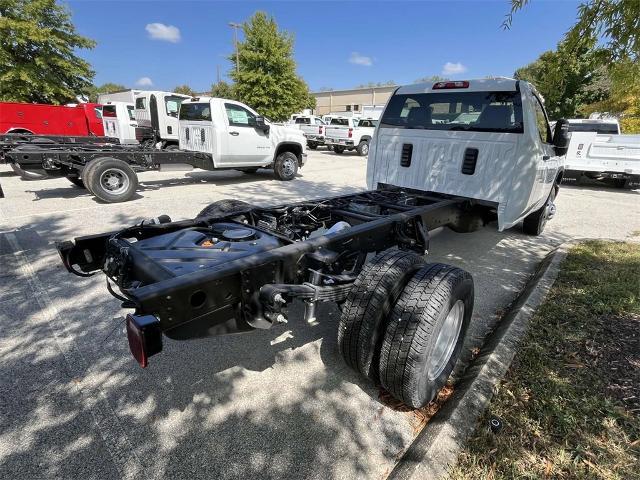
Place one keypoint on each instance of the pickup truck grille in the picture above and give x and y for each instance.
(405, 157)
(469, 162)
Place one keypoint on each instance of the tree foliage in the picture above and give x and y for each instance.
(388, 83)
(185, 90)
(266, 78)
(94, 91)
(223, 89)
(430, 79)
(567, 80)
(617, 21)
(38, 61)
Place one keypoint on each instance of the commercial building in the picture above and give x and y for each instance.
(352, 100)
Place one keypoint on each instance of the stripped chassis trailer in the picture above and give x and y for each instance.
(237, 267)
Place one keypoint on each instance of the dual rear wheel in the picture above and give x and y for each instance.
(404, 322)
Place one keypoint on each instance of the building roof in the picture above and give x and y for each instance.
(360, 89)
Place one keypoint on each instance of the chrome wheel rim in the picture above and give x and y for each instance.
(288, 167)
(114, 181)
(446, 340)
(365, 149)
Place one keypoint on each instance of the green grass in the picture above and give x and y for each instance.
(561, 417)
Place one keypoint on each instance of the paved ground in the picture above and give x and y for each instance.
(271, 404)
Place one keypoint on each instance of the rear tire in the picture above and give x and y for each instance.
(86, 173)
(223, 207)
(339, 150)
(368, 304)
(312, 145)
(76, 180)
(425, 333)
(535, 222)
(112, 180)
(286, 166)
(363, 148)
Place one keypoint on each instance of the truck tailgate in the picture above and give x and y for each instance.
(335, 131)
(589, 151)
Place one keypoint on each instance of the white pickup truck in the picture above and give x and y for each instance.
(614, 159)
(350, 134)
(313, 129)
(487, 140)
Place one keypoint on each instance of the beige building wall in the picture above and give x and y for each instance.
(354, 99)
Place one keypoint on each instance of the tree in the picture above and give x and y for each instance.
(266, 78)
(38, 61)
(94, 91)
(185, 90)
(616, 21)
(222, 89)
(430, 79)
(567, 79)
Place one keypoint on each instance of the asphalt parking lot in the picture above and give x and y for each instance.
(270, 404)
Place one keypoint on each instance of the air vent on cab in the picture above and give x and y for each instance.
(469, 162)
(407, 152)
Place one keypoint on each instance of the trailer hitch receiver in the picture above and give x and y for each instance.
(145, 337)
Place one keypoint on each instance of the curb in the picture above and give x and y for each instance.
(438, 445)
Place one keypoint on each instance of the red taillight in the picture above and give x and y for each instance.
(320, 130)
(145, 337)
(445, 85)
(350, 132)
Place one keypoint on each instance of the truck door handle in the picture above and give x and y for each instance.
(235, 134)
(546, 157)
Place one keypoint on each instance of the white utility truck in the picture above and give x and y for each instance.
(504, 157)
(157, 117)
(606, 126)
(350, 133)
(119, 121)
(238, 267)
(214, 134)
(614, 159)
(313, 128)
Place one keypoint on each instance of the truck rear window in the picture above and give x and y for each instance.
(340, 121)
(303, 120)
(195, 111)
(466, 111)
(141, 103)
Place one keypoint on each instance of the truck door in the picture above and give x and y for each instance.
(548, 162)
(128, 123)
(110, 122)
(243, 143)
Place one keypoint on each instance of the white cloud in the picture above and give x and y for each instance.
(358, 59)
(160, 31)
(144, 82)
(453, 68)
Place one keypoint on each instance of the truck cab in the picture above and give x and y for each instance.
(235, 135)
(157, 117)
(486, 140)
(119, 121)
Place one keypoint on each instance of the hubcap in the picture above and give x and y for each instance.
(114, 181)
(446, 340)
(365, 149)
(288, 167)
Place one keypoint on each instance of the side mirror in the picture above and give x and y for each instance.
(561, 137)
(260, 124)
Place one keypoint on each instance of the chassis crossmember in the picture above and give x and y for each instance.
(236, 269)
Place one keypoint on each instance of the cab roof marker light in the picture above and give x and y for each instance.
(448, 85)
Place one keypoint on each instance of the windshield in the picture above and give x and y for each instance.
(195, 112)
(602, 128)
(468, 111)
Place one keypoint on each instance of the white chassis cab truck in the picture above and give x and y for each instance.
(119, 121)
(157, 117)
(488, 140)
(350, 133)
(237, 267)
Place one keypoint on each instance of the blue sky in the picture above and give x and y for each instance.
(338, 44)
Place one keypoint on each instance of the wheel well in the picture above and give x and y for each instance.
(559, 177)
(365, 138)
(294, 148)
(20, 130)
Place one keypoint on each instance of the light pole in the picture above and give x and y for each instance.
(235, 27)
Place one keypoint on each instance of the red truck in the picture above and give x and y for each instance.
(38, 119)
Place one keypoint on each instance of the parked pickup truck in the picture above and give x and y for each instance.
(313, 128)
(350, 134)
(614, 159)
(214, 134)
(237, 267)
